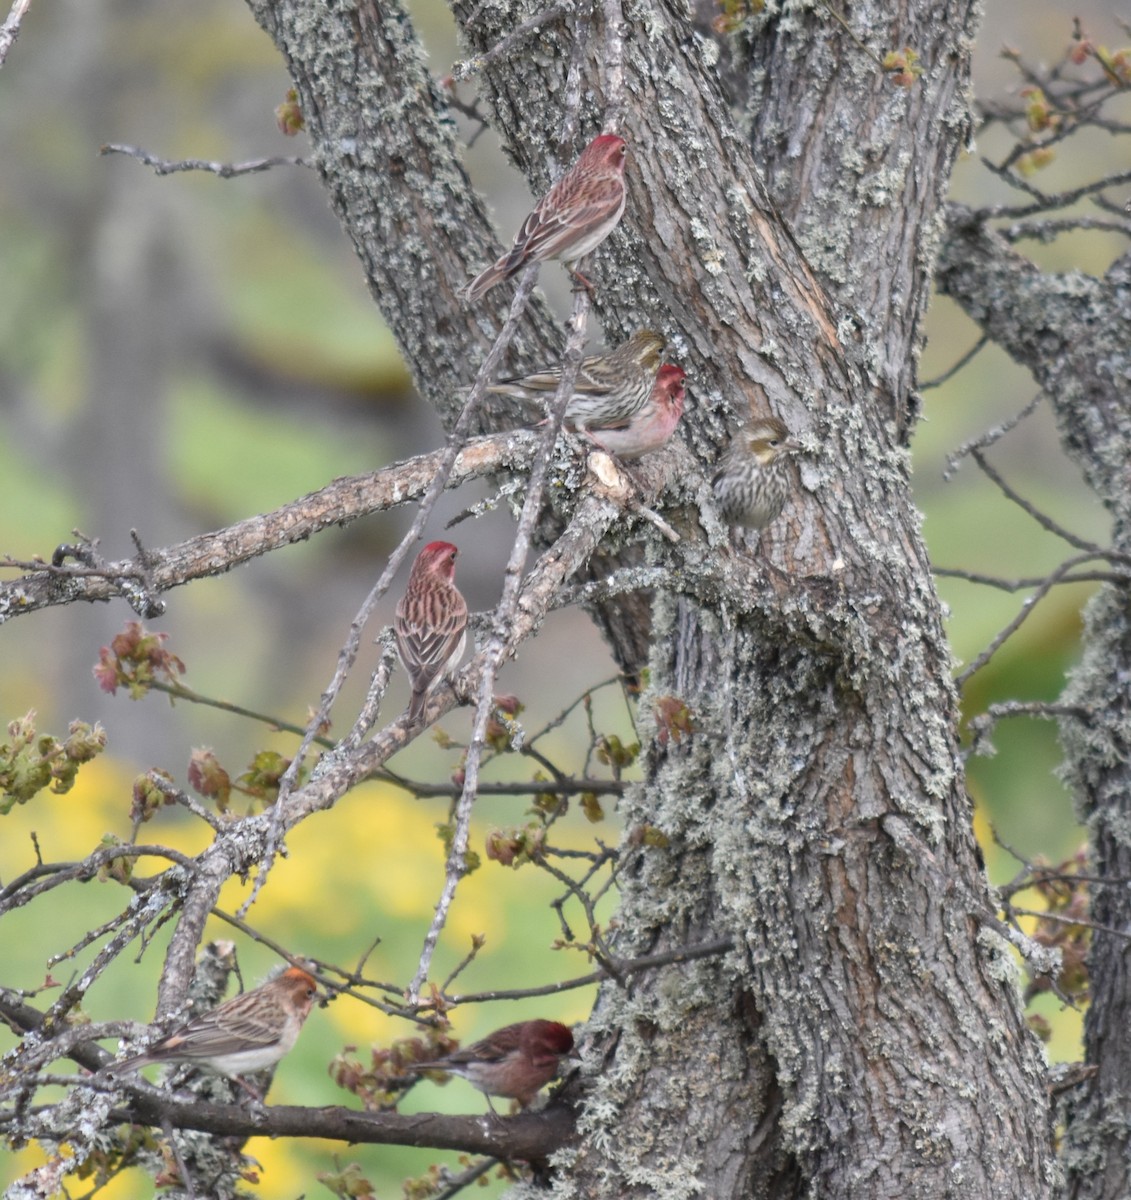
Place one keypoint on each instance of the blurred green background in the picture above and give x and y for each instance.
(177, 353)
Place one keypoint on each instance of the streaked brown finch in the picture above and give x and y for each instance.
(245, 1034)
(430, 623)
(752, 482)
(574, 217)
(514, 1062)
(653, 424)
(609, 388)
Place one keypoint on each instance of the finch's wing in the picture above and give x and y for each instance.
(243, 1023)
(499, 1045)
(429, 647)
(575, 204)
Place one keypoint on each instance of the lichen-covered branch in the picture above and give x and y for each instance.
(208, 554)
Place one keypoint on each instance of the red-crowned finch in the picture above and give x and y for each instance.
(752, 483)
(609, 388)
(650, 427)
(574, 216)
(514, 1062)
(430, 622)
(245, 1034)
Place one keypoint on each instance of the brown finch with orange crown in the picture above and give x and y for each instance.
(574, 217)
(430, 623)
(245, 1034)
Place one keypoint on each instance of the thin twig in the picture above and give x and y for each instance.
(178, 1158)
(497, 646)
(1044, 201)
(472, 66)
(982, 726)
(990, 436)
(180, 692)
(1023, 614)
(836, 16)
(378, 683)
(10, 30)
(466, 1178)
(939, 380)
(162, 166)
(477, 944)
(635, 966)
(1080, 922)
(348, 654)
(1045, 521)
(1017, 585)
(1046, 231)
(532, 787)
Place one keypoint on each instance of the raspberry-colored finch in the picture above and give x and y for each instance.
(514, 1062)
(751, 483)
(609, 388)
(574, 217)
(245, 1034)
(652, 425)
(430, 622)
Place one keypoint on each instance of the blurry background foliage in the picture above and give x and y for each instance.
(177, 353)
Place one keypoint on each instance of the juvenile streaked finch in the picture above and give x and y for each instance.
(430, 622)
(574, 216)
(609, 388)
(245, 1034)
(514, 1062)
(752, 482)
(652, 425)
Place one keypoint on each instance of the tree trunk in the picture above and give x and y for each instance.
(865, 1037)
(1073, 333)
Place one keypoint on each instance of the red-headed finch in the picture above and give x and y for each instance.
(245, 1034)
(430, 622)
(609, 388)
(514, 1062)
(752, 483)
(573, 217)
(650, 427)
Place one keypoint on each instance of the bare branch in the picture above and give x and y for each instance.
(162, 166)
(339, 503)
(648, 962)
(456, 446)
(990, 436)
(1045, 202)
(1046, 522)
(10, 30)
(1023, 614)
(472, 66)
(497, 647)
(950, 372)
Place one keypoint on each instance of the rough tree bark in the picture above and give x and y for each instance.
(865, 1038)
(1074, 332)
